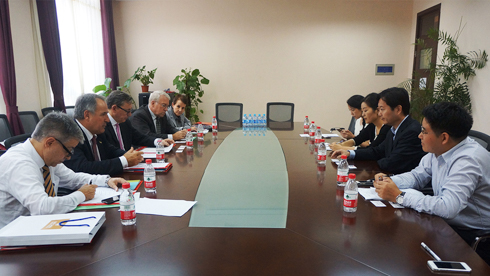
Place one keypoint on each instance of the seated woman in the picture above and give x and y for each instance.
(374, 133)
(354, 105)
(175, 113)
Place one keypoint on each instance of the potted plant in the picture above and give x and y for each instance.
(190, 84)
(105, 89)
(143, 76)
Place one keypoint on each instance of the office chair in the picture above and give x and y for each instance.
(14, 140)
(5, 130)
(229, 115)
(280, 115)
(45, 111)
(482, 138)
(29, 120)
(70, 110)
(352, 125)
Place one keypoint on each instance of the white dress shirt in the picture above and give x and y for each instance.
(22, 185)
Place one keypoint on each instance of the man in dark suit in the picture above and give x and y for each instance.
(119, 131)
(150, 119)
(401, 151)
(95, 154)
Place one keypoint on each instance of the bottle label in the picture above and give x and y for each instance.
(312, 133)
(350, 201)
(189, 143)
(215, 127)
(306, 126)
(127, 212)
(160, 155)
(317, 140)
(150, 182)
(322, 157)
(200, 134)
(342, 178)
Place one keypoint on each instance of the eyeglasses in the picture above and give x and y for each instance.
(127, 111)
(164, 106)
(70, 153)
(424, 131)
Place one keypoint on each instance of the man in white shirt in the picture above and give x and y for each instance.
(33, 171)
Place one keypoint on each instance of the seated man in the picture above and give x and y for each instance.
(401, 150)
(32, 172)
(175, 113)
(150, 119)
(94, 154)
(119, 131)
(458, 168)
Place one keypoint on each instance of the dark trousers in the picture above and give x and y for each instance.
(469, 236)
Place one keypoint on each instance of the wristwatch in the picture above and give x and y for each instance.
(399, 198)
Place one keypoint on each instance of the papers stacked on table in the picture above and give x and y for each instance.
(159, 167)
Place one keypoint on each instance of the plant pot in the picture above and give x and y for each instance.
(144, 88)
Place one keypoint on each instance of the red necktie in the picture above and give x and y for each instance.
(118, 133)
(94, 148)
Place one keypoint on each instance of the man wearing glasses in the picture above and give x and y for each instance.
(458, 168)
(150, 119)
(32, 172)
(95, 154)
(119, 131)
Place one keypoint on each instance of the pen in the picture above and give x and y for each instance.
(426, 248)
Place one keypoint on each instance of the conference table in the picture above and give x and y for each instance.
(317, 237)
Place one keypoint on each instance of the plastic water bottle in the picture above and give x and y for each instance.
(189, 139)
(312, 129)
(318, 135)
(306, 124)
(127, 208)
(200, 132)
(250, 120)
(149, 177)
(264, 120)
(214, 124)
(160, 153)
(254, 124)
(342, 171)
(350, 194)
(245, 121)
(322, 152)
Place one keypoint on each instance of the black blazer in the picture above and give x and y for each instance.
(142, 121)
(83, 159)
(131, 136)
(369, 132)
(398, 156)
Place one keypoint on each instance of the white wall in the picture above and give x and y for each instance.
(313, 53)
(474, 14)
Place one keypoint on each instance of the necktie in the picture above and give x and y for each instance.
(118, 133)
(48, 184)
(159, 128)
(94, 148)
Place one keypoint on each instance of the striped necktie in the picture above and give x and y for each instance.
(158, 127)
(48, 184)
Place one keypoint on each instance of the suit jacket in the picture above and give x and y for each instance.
(131, 136)
(83, 159)
(400, 155)
(143, 122)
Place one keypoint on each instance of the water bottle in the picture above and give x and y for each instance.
(189, 139)
(244, 121)
(350, 194)
(214, 124)
(149, 177)
(264, 120)
(318, 135)
(312, 129)
(127, 206)
(255, 121)
(250, 120)
(322, 152)
(160, 152)
(200, 132)
(342, 171)
(306, 124)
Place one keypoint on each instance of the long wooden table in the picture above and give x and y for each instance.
(319, 239)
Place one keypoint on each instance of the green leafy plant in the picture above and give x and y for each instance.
(451, 74)
(143, 76)
(103, 89)
(190, 84)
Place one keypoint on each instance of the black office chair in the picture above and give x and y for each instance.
(14, 140)
(70, 110)
(45, 111)
(229, 115)
(482, 138)
(280, 115)
(29, 120)
(5, 130)
(352, 125)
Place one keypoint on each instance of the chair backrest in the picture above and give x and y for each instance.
(352, 125)
(29, 120)
(70, 110)
(14, 140)
(45, 111)
(280, 112)
(229, 115)
(482, 138)
(5, 130)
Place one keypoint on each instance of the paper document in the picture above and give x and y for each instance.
(326, 135)
(142, 166)
(306, 135)
(370, 194)
(103, 193)
(205, 131)
(152, 152)
(163, 207)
